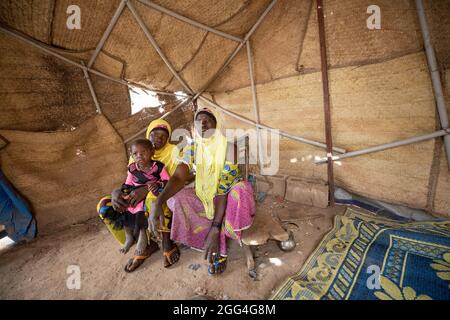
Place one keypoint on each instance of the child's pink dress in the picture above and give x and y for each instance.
(137, 178)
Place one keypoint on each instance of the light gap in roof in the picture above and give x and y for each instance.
(141, 99)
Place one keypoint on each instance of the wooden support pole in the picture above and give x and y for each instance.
(326, 99)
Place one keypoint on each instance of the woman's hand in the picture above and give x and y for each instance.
(155, 214)
(138, 195)
(118, 203)
(212, 244)
(212, 239)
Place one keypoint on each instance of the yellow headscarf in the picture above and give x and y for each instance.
(210, 156)
(167, 154)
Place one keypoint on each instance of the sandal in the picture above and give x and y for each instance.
(136, 261)
(218, 265)
(168, 256)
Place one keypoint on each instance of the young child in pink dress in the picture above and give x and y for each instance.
(142, 172)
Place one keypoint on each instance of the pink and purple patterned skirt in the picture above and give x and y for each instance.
(190, 225)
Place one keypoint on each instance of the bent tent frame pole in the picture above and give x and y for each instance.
(107, 32)
(39, 46)
(258, 22)
(326, 99)
(440, 133)
(255, 104)
(156, 47)
(91, 89)
(237, 49)
(47, 50)
(228, 61)
(189, 21)
(435, 75)
(261, 126)
(178, 106)
(131, 84)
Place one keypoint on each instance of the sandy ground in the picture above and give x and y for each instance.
(38, 270)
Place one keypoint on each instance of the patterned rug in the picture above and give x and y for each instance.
(365, 257)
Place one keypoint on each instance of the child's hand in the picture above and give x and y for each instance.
(153, 187)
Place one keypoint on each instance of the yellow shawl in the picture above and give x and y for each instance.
(210, 156)
(167, 154)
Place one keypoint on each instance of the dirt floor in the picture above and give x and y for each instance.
(38, 270)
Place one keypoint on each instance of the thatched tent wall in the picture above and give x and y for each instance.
(379, 84)
(62, 173)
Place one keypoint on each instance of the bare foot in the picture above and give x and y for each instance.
(129, 241)
(126, 247)
(142, 243)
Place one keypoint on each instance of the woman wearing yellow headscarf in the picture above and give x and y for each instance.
(220, 206)
(158, 132)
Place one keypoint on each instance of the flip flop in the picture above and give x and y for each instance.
(168, 256)
(136, 261)
(218, 265)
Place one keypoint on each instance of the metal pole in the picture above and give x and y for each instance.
(326, 98)
(261, 126)
(258, 22)
(91, 89)
(155, 45)
(39, 46)
(237, 49)
(255, 104)
(107, 32)
(435, 75)
(45, 49)
(178, 106)
(387, 146)
(189, 21)
(227, 62)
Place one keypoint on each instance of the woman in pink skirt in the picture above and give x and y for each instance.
(219, 207)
